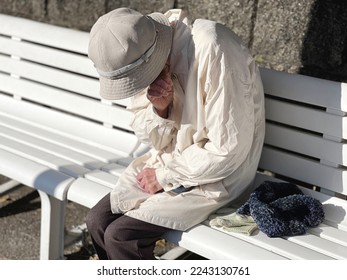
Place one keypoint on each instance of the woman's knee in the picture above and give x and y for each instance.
(93, 220)
(100, 215)
(116, 233)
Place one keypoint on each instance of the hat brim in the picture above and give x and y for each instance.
(142, 76)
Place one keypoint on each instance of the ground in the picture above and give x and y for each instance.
(20, 212)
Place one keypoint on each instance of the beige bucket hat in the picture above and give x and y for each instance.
(129, 50)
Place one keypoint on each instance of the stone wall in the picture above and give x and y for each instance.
(297, 36)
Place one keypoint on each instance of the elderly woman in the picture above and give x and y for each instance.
(198, 102)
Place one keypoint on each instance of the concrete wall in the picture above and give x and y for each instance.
(297, 36)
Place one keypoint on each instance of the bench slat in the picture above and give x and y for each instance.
(86, 193)
(306, 118)
(321, 245)
(305, 170)
(35, 175)
(114, 169)
(280, 246)
(53, 149)
(50, 76)
(335, 209)
(310, 144)
(48, 56)
(330, 233)
(216, 245)
(42, 158)
(116, 141)
(51, 137)
(102, 178)
(319, 92)
(28, 30)
(87, 107)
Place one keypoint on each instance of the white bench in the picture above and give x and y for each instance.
(59, 137)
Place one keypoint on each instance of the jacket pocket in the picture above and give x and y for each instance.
(215, 191)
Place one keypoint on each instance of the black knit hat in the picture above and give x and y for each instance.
(281, 209)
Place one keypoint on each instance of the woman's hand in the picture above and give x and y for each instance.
(148, 181)
(160, 92)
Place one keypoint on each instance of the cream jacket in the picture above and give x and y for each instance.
(212, 140)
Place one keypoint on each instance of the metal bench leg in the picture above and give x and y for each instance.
(52, 227)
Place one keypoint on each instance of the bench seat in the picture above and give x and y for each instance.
(327, 241)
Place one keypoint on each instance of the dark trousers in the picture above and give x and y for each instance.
(119, 237)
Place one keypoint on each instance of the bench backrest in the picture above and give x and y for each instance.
(47, 78)
(306, 131)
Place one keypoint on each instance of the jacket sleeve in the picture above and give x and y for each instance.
(148, 126)
(229, 125)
